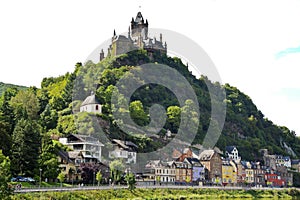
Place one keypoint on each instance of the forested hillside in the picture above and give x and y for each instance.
(4, 86)
(30, 119)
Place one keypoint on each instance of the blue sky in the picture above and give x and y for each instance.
(288, 51)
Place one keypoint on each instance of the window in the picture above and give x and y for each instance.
(97, 108)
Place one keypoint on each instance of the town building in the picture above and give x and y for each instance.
(229, 172)
(89, 147)
(249, 172)
(124, 150)
(259, 174)
(232, 153)
(213, 162)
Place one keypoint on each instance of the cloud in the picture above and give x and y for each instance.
(287, 52)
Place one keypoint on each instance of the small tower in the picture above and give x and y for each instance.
(101, 55)
(138, 25)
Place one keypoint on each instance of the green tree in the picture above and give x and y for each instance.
(25, 104)
(116, 170)
(137, 113)
(61, 178)
(130, 179)
(99, 177)
(25, 147)
(173, 113)
(48, 158)
(5, 136)
(5, 189)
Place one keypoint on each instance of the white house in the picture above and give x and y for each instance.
(91, 104)
(124, 149)
(232, 153)
(88, 146)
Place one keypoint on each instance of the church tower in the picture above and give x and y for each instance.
(139, 28)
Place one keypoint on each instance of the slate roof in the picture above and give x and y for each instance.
(206, 155)
(229, 149)
(92, 99)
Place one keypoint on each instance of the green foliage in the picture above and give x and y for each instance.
(116, 169)
(164, 194)
(25, 147)
(130, 179)
(99, 177)
(5, 189)
(25, 105)
(5, 86)
(48, 161)
(61, 178)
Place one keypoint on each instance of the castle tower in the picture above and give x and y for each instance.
(139, 27)
(101, 55)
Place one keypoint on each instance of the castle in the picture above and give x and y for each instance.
(137, 38)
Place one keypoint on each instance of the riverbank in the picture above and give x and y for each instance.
(163, 194)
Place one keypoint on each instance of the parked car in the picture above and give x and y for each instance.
(22, 179)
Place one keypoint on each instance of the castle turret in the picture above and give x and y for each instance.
(101, 55)
(138, 26)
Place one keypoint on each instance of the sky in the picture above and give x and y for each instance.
(255, 45)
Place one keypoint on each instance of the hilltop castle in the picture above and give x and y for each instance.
(137, 38)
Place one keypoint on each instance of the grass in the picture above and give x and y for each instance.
(164, 194)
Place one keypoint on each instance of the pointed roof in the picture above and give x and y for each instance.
(139, 18)
(92, 99)
(229, 149)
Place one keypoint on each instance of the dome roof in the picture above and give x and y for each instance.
(90, 100)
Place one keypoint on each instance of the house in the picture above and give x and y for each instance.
(91, 104)
(198, 170)
(213, 162)
(232, 153)
(158, 172)
(259, 174)
(88, 146)
(229, 173)
(296, 165)
(249, 172)
(285, 175)
(283, 161)
(71, 164)
(183, 173)
(274, 180)
(241, 174)
(125, 150)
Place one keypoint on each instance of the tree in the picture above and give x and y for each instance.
(25, 104)
(48, 158)
(173, 113)
(99, 177)
(61, 178)
(137, 113)
(5, 189)
(5, 135)
(116, 170)
(25, 147)
(130, 179)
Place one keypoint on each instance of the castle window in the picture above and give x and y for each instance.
(97, 107)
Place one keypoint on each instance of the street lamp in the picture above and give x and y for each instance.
(93, 178)
(40, 176)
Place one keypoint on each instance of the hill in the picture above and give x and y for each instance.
(4, 86)
(52, 111)
(245, 125)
